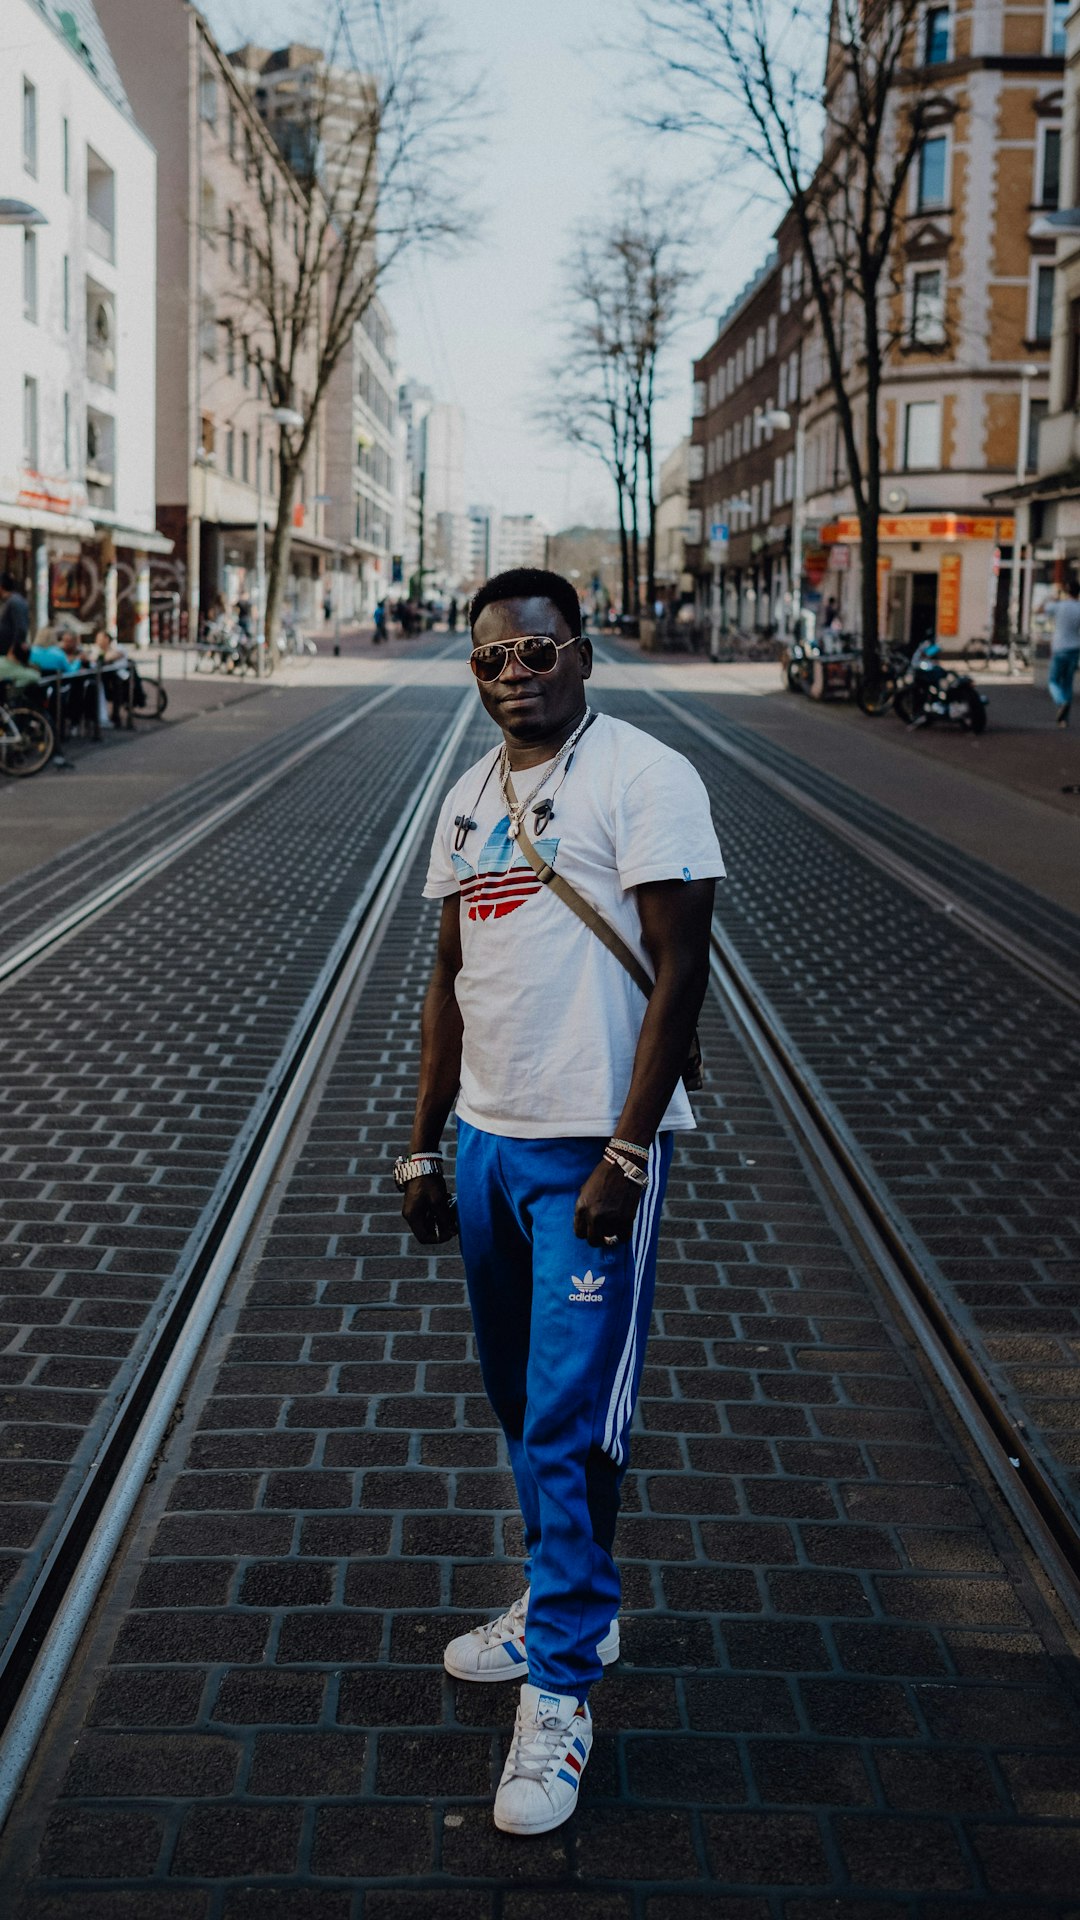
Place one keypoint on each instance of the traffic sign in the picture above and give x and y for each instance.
(718, 542)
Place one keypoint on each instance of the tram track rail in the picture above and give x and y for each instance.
(936, 893)
(39, 1650)
(880, 1231)
(150, 865)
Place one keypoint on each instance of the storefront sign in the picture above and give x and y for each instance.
(948, 604)
(841, 558)
(816, 565)
(916, 526)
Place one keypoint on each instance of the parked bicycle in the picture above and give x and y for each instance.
(27, 741)
(875, 697)
(293, 639)
(1012, 651)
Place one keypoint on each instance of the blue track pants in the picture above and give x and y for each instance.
(560, 1330)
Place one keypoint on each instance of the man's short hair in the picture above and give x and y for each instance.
(529, 583)
(8, 583)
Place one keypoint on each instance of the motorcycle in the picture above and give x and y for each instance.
(928, 692)
(798, 664)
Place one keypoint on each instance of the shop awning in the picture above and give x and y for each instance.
(133, 537)
(40, 520)
(1049, 486)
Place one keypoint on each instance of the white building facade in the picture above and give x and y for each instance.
(78, 321)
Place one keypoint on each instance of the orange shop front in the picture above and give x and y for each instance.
(939, 575)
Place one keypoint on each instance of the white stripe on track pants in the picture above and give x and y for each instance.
(560, 1330)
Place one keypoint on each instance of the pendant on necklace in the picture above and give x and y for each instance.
(514, 827)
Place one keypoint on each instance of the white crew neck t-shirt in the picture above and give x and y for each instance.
(551, 1019)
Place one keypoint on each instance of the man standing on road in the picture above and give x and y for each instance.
(570, 1092)
(1065, 651)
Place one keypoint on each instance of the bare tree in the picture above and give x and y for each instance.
(372, 144)
(624, 284)
(742, 74)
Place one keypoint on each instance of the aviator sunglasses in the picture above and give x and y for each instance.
(537, 653)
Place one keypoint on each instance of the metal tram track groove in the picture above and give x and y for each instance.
(884, 1238)
(155, 863)
(981, 925)
(35, 1660)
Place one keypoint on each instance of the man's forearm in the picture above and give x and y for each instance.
(663, 1045)
(440, 1065)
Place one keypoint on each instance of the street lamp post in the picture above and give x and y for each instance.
(283, 417)
(1022, 512)
(780, 417)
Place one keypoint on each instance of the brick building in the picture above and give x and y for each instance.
(970, 310)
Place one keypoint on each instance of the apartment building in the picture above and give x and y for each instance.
(363, 516)
(217, 445)
(1048, 506)
(77, 317)
(741, 462)
(967, 336)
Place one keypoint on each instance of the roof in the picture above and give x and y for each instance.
(76, 21)
(767, 267)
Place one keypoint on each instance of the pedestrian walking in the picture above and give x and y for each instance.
(1065, 651)
(576, 863)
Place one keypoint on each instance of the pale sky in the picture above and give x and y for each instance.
(480, 328)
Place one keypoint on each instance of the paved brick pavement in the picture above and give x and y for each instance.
(957, 1076)
(136, 1055)
(841, 1695)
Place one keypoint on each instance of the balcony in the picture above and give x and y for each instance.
(100, 459)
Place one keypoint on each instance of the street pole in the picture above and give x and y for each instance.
(798, 514)
(420, 559)
(260, 554)
(1021, 510)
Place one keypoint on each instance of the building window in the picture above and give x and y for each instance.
(230, 348)
(230, 452)
(245, 456)
(932, 157)
(246, 364)
(793, 376)
(232, 130)
(67, 433)
(208, 330)
(29, 126)
(100, 206)
(928, 308)
(30, 423)
(209, 214)
(1056, 16)
(29, 274)
(207, 442)
(208, 96)
(1037, 413)
(65, 160)
(922, 435)
(1049, 182)
(247, 255)
(65, 286)
(1042, 318)
(770, 337)
(785, 286)
(936, 41)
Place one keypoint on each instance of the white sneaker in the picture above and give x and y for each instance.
(497, 1650)
(540, 1781)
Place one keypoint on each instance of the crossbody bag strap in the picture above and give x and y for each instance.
(577, 903)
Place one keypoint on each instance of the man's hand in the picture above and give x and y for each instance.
(428, 1209)
(606, 1206)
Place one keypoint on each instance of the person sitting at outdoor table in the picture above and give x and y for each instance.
(17, 673)
(60, 654)
(109, 653)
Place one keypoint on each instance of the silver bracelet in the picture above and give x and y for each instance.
(413, 1166)
(628, 1168)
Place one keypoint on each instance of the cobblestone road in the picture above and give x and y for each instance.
(842, 1697)
(957, 1076)
(136, 1053)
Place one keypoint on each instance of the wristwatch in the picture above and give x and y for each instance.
(414, 1166)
